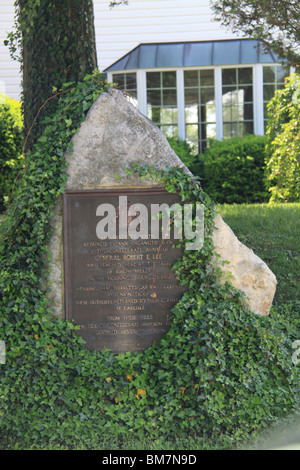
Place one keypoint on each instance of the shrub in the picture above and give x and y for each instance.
(184, 151)
(283, 149)
(11, 160)
(233, 171)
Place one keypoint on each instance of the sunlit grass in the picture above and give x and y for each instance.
(272, 231)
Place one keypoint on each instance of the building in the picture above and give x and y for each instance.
(193, 78)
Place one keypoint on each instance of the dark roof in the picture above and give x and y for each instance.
(193, 54)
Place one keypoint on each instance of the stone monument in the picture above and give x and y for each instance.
(89, 276)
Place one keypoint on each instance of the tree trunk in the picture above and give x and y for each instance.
(58, 46)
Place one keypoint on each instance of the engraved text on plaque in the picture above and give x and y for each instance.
(120, 291)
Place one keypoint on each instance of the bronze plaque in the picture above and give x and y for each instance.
(121, 290)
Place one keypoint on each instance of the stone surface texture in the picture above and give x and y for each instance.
(247, 272)
(114, 135)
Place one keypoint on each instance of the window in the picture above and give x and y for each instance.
(200, 108)
(273, 79)
(162, 101)
(237, 102)
(127, 83)
(194, 92)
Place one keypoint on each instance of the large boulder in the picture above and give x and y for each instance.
(246, 271)
(114, 135)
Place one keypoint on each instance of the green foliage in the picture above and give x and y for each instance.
(11, 141)
(121, 2)
(283, 149)
(184, 151)
(220, 371)
(272, 22)
(55, 42)
(232, 171)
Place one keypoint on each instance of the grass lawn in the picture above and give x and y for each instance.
(272, 231)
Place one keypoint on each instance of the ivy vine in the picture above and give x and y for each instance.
(54, 40)
(219, 372)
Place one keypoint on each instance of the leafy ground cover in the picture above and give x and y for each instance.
(272, 232)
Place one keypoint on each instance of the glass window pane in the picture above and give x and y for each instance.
(240, 97)
(199, 107)
(127, 83)
(237, 101)
(191, 96)
(207, 94)
(229, 97)
(269, 91)
(170, 131)
(191, 114)
(208, 113)
(273, 79)
(231, 113)
(154, 97)
(154, 113)
(169, 79)
(228, 89)
(230, 130)
(169, 115)
(248, 93)
(203, 114)
(281, 74)
(269, 74)
(207, 78)
(228, 76)
(119, 79)
(192, 132)
(242, 129)
(275, 74)
(130, 81)
(153, 80)
(203, 144)
(248, 128)
(170, 97)
(162, 101)
(248, 112)
(241, 113)
(191, 78)
(211, 131)
(244, 76)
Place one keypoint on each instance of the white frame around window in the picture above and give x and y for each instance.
(238, 66)
(258, 103)
(200, 123)
(258, 107)
(180, 103)
(142, 91)
(218, 98)
(177, 93)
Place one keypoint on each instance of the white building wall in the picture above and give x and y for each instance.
(120, 29)
(9, 69)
